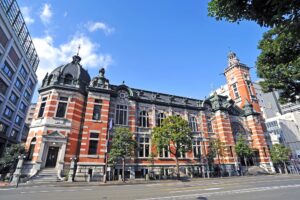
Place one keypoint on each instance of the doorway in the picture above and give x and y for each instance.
(52, 157)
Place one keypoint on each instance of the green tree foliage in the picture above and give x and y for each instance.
(9, 159)
(242, 149)
(174, 135)
(279, 61)
(122, 146)
(217, 148)
(280, 154)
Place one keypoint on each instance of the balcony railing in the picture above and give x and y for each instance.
(13, 13)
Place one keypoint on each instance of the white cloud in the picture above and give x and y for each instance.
(26, 11)
(46, 13)
(52, 56)
(94, 26)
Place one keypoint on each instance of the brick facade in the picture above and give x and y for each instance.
(93, 107)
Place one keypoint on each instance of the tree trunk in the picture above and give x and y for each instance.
(219, 164)
(285, 168)
(245, 160)
(123, 170)
(177, 168)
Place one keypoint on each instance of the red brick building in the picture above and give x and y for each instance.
(74, 116)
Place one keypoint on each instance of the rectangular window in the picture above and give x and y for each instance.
(42, 107)
(13, 98)
(27, 95)
(7, 70)
(18, 120)
(3, 128)
(23, 72)
(30, 84)
(93, 144)
(62, 107)
(209, 125)
(23, 107)
(121, 115)
(235, 91)
(3, 87)
(164, 152)
(19, 85)
(144, 146)
(14, 56)
(249, 87)
(97, 112)
(3, 38)
(197, 148)
(14, 134)
(8, 112)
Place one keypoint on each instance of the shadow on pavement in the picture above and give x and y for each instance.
(202, 198)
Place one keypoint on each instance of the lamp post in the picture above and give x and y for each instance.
(18, 172)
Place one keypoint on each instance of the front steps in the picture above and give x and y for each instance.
(47, 175)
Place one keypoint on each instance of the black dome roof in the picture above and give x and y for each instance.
(70, 75)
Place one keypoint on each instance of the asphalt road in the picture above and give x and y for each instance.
(237, 188)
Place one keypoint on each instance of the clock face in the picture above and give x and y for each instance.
(123, 94)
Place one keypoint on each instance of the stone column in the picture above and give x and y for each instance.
(40, 156)
(18, 172)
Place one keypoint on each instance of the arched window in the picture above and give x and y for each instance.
(144, 119)
(49, 79)
(193, 124)
(31, 149)
(160, 117)
(68, 79)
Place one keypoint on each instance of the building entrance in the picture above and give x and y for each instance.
(52, 156)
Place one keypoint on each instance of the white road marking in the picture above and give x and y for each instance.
(207, 189)
(224, 192)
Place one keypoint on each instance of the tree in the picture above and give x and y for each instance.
(174, 135)
(243, 150)
(279, 61)
(122, 146)
(9, 160)
(218, 148)
(280, 154)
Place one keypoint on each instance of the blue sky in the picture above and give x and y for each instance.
(165, 46)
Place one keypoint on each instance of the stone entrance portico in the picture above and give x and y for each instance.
(54, 140)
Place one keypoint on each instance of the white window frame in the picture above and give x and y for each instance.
(125, 111)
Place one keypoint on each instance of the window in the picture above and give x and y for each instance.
(7, 70)
(144, 119)
(14, 133)
(27, 95)
(23, 72)
(249, 87)
(18, 120)
(97, 109)
(93, 144)
(121, 115)
(68, 79)
(182, 154)
(144, 145)
(42, 107)
(3, 128)
(8, 112)
(193, 124)
(13, 98)
(3, 38)
(49, 79)
(3, 87)
(235, 91)
(31, 149)
(231, 151)
(14, 56)
(164, 152)
(197, 148)
(19, 85)
(23, 107)
(62, 107)
(160, 118)
(209, 125)
(30, 84)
